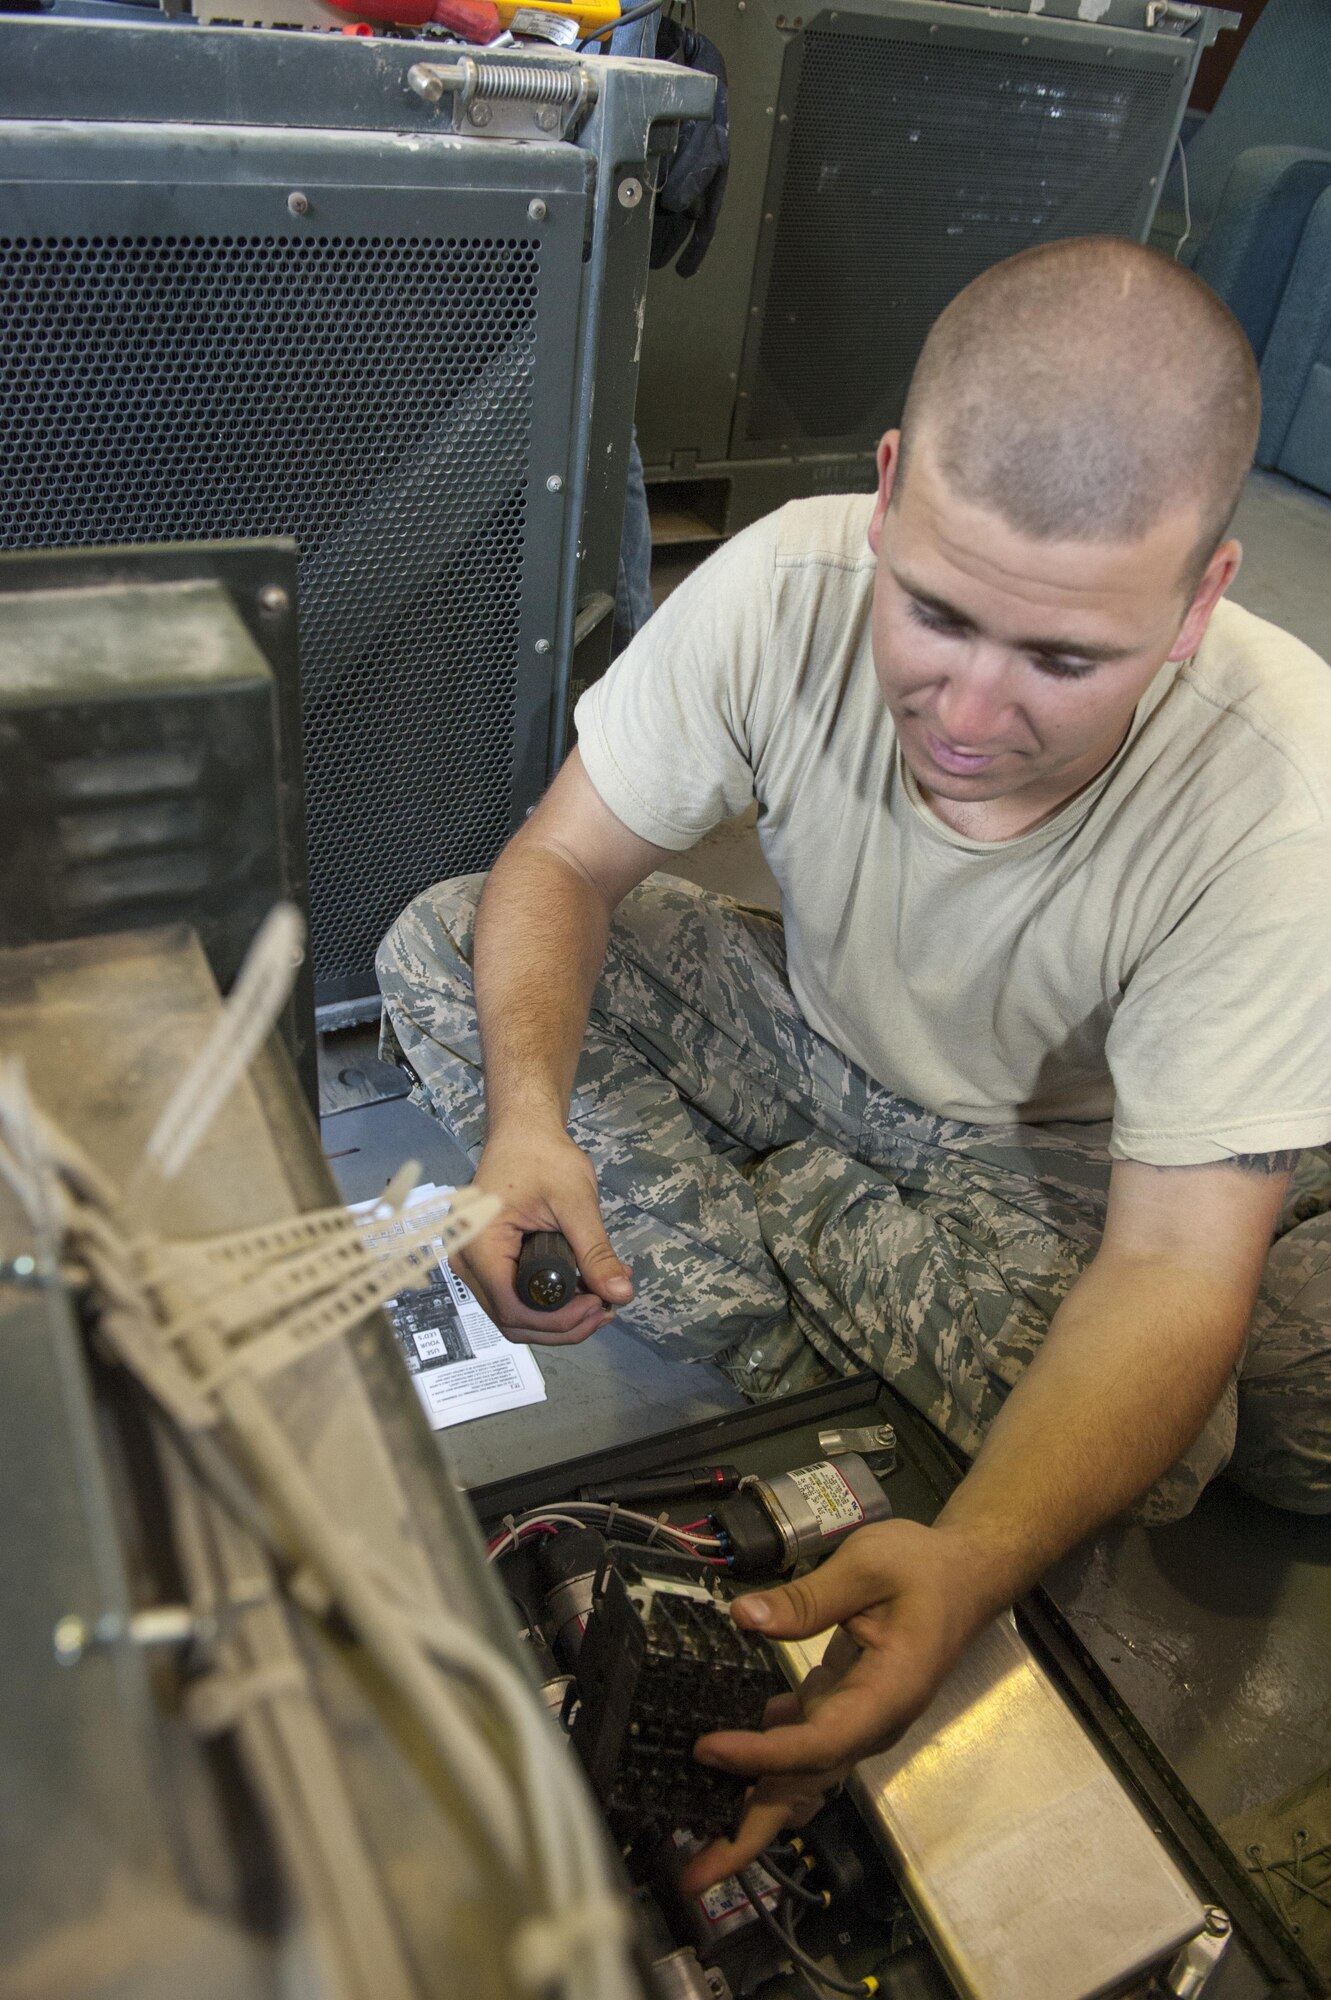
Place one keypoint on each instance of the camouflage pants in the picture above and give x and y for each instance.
(789, 1218)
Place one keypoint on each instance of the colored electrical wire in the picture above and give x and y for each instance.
(817, 1899)
(798, 1955)
(584, 1513)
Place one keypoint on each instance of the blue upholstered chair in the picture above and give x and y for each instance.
(1257, 164)
(1296, 367)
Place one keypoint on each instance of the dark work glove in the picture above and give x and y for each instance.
(689, 200)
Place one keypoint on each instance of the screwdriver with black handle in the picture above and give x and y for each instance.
(547, 1273)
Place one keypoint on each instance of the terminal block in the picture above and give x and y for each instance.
(662, 1664)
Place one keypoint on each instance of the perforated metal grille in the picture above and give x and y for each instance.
(913, 165)
(370, 396)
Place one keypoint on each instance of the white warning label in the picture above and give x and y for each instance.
(829, 1498)
(724, 1898)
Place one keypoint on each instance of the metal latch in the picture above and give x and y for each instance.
(508, 100)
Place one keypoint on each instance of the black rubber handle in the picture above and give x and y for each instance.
(547, 1274)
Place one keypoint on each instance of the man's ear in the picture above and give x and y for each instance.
(889, 464)
(1219, 573)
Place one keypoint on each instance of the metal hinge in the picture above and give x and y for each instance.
(508, 100)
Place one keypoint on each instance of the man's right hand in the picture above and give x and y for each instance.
(544, 1182)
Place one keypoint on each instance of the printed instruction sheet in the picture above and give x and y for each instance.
(459, 1360)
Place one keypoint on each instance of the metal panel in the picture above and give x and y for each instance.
(915, 147)
(253, 283)
(858, 191)
(1029, 1867)
(383, 377)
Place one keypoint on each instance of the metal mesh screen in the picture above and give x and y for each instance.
(913, 165)
(370, 396)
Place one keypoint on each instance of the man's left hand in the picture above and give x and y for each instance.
(906, 1601)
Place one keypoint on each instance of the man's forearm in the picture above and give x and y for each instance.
(1135, 1360)
(541, 932)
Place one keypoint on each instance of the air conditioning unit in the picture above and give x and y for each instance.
(379, 299)
(882, 155)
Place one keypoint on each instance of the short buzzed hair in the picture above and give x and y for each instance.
(1086, 389)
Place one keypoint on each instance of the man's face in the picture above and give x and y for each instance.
(1012, 666)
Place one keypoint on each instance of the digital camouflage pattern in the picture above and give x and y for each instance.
(790, 1219)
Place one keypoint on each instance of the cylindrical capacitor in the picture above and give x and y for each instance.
(568, 1566)
(547, 1271)
(772, 1524)
(681, 1977)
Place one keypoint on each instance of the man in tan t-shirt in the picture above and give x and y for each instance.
(1008, 1103)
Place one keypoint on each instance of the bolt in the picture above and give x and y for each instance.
(69, 1638)
(479, 114)
(273, 599)
(299, 204)
(554, 484)
(630, 193)
(542, 645)
(537, 210)
(1217, 1923)
(547, 118)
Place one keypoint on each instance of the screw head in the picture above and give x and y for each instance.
(537, 210)
(547, 118)
(542, 645)
(1217, 1922)
(630, 193)
(69, 1639)
(479, 114)
(299, 204)
(273, 599)
(554, 484)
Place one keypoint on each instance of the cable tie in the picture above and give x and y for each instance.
(549, 1948)
(217, 1701)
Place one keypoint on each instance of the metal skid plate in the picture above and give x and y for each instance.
(1026, 1862)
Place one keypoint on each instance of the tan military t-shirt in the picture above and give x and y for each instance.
(1158, 953)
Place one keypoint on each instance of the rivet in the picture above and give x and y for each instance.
(480, 114)
(554, 484)
(537, 210)
(630, 193)
(542, 645)
(273, 599)
(299, 204)
(547, 118)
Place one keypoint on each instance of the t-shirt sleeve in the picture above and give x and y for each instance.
(665, 735)
(1222, 1042)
